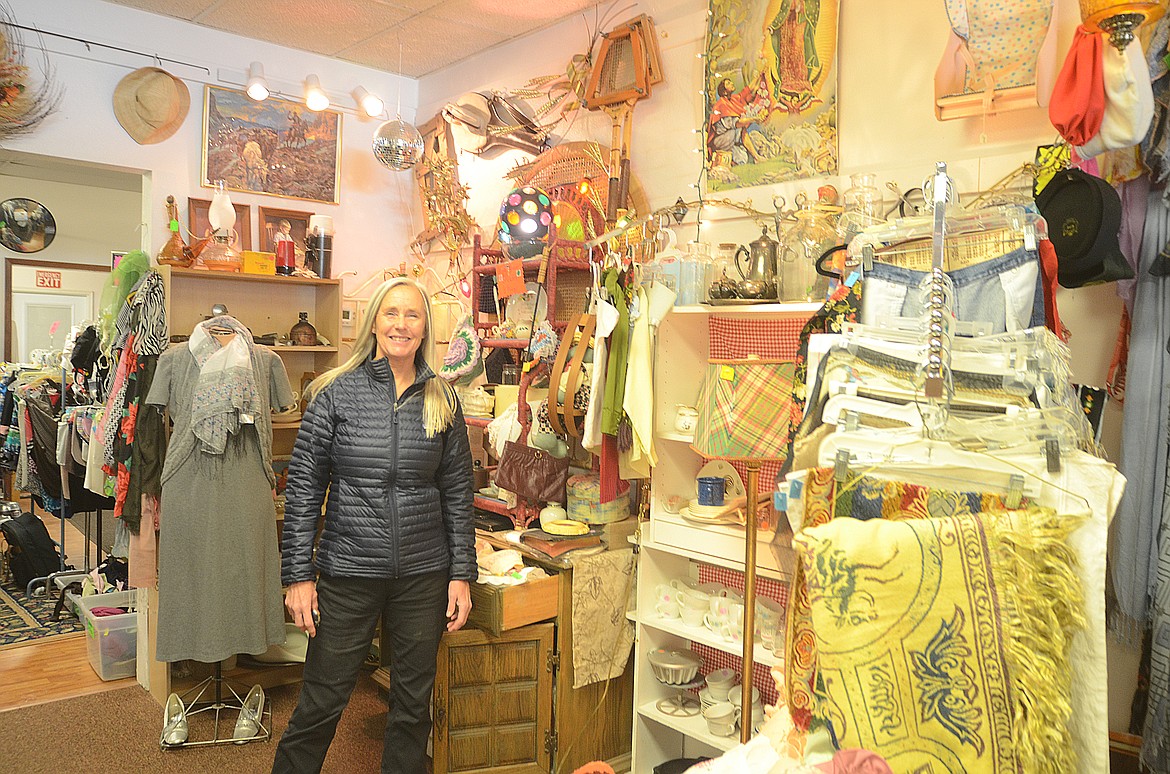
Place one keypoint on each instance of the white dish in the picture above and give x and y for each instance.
(519, 309)
(734, 517)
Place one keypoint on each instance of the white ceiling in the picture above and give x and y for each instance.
(432, 33)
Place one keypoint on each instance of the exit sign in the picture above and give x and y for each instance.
(48, 279)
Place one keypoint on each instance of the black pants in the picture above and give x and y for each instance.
(414, 610)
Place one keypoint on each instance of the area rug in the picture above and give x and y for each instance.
(118, 730)
(25, 619)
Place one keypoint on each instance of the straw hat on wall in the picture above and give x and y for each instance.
(151, 104)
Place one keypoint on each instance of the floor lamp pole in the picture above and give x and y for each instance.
(749, 600)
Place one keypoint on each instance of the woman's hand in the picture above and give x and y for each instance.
(458, 604)
(301, 601)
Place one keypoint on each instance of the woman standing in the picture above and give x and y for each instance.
(387, 439)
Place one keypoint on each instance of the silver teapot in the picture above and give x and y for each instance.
(759, 280)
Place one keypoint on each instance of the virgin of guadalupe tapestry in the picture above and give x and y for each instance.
(771, 86)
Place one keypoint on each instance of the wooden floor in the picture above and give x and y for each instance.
(57, 669)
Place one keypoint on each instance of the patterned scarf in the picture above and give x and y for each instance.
(226, 392)
(944, 642)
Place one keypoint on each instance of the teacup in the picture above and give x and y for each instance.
(735, 698)
(721, 717)
(666, 601)
(692, 614)
(720, 681)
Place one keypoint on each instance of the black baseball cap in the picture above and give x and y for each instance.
(1084, 217)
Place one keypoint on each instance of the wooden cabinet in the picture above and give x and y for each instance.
(492, 703)
(265, 305)
(484, 690)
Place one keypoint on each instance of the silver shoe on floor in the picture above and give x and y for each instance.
(248, 724)
(174, 722)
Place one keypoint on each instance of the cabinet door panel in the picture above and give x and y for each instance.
(493, 702)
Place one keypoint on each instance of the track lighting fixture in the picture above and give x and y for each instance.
(315, 97)
(257, 86)
(371, 104)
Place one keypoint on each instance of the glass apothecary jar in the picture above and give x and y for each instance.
(804, 242)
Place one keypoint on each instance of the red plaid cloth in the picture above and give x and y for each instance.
(735, 338)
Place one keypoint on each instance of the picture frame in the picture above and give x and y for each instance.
(116, 256)
(438, 142)
(200, 226)
(270, 224)
(276, 147)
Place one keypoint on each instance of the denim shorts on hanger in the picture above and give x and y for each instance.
(1005, 292)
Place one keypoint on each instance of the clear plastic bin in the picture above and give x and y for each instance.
(112, 641)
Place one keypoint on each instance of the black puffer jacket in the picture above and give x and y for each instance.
(399, 502)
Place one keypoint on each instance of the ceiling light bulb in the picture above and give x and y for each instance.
(372, 104)
(257, 88)
(315, 97)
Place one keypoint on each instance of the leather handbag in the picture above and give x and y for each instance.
(533, 474)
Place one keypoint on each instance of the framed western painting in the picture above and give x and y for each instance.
(200, 226)
(275, 147)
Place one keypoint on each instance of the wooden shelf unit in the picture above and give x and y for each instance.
(568, 269)
(265, 304)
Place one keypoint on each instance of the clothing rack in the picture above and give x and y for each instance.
(938, 309)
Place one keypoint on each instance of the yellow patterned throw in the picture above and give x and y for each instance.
(943, 642)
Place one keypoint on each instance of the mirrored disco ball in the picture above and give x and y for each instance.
(398, 145)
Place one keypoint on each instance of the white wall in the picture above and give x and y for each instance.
(373, 220)
(91, 221)
(888, 51)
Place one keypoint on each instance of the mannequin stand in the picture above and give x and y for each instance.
(229, 706)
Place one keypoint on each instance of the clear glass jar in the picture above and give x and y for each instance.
(863, 204)
(692, 285)
(804, 242)
(723, 274)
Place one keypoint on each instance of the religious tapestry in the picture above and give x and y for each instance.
(771, 86)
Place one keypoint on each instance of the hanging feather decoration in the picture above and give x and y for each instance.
(23, 104)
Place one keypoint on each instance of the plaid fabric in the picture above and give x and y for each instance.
(745, 411)
(736, 338)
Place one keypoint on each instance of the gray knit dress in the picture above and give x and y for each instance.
(218, 558)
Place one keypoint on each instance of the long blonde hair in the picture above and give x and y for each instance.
(438, 396)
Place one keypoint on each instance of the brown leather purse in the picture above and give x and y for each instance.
(533, 474)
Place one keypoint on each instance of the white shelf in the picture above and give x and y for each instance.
(717, 544)
(705, 636)
(676, 436)
(694, 726)
(794, 309)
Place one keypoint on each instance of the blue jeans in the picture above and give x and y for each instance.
(1005, 292)
(414, 610)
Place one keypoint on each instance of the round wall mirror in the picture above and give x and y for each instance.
(26, 226)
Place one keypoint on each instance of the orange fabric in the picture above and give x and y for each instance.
(510, 278)
(1078, 98)
(1048, 267)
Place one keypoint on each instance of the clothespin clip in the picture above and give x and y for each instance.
(1029, 237)
(841, 466)
(867, 257)
(1015, 493)
(1052, 454)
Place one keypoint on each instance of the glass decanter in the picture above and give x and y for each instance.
(863, 203)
